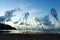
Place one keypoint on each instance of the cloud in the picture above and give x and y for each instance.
(34, 11)
(24, 5)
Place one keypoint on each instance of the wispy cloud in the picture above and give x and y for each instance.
(24, 5)
(34, 11)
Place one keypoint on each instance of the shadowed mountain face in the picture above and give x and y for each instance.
(6, 27)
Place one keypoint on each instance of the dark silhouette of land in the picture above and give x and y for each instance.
(6, 27)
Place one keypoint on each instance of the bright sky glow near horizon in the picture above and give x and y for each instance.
(38, 8)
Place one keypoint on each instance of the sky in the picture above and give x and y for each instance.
(36, 8)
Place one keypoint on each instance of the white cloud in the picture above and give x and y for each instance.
(34, 11)
(25, 8)
(24, 5)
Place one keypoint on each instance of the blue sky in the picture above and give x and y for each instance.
(38, 8)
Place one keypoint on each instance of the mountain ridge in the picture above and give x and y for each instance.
(6, 27)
